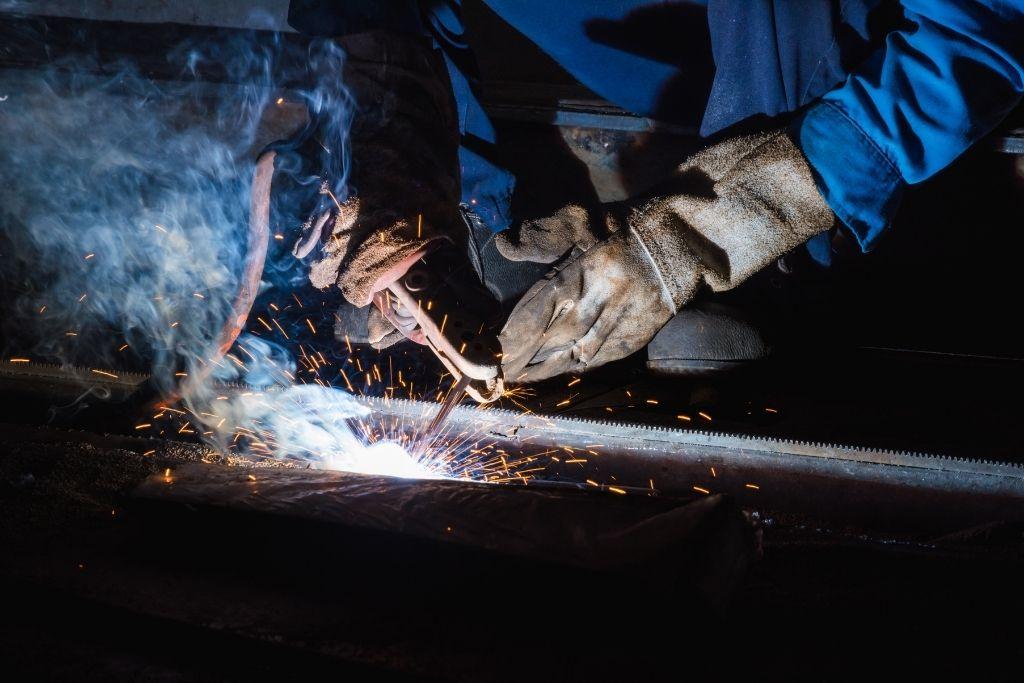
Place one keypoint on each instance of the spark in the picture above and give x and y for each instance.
(701, 490)
(18, 360)
(705, 416)
(333, 198)
(752, 486)
(105, 373)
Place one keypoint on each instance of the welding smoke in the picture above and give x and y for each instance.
(314, 424)
(124, 205)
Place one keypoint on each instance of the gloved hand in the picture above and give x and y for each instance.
(727, 212)
(397, 195)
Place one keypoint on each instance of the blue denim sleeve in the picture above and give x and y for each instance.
(914, 106)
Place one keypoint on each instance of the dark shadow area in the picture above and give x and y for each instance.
(674, 33)
(548, 175)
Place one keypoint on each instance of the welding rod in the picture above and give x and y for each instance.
(453, 399)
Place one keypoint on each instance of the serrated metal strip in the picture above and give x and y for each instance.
(641, 437)
(649, 437)
(69, 373)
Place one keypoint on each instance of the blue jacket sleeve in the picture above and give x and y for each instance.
(914, 106)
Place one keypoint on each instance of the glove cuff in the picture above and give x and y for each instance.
(763, 204)
(673, 261)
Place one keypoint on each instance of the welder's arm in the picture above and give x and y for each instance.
(372, 182)
(728, 212)
(404, 181)
(914, 106)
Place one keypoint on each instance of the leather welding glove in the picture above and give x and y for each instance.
(726, 213)
(398, 193)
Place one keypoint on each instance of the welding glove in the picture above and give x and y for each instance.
(397, 195)
(726, 213)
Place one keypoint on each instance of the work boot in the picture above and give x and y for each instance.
(706, 338)
(789, 299)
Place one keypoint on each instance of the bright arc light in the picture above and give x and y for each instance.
(385, 458)
(315, 424)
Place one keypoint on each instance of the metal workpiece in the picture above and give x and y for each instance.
(860, 483)
(68, 382)
(870, 486)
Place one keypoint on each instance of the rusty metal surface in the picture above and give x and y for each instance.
(871, 486)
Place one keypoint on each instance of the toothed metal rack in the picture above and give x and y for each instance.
(868, 486)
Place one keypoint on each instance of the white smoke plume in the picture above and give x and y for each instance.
(124, 207)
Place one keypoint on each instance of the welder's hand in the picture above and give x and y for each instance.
(398, 193)
(382, 332)
(728, 211)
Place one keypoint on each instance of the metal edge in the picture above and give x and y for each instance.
(513, 425)
(509, 424)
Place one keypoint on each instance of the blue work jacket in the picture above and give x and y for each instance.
(885, 94)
